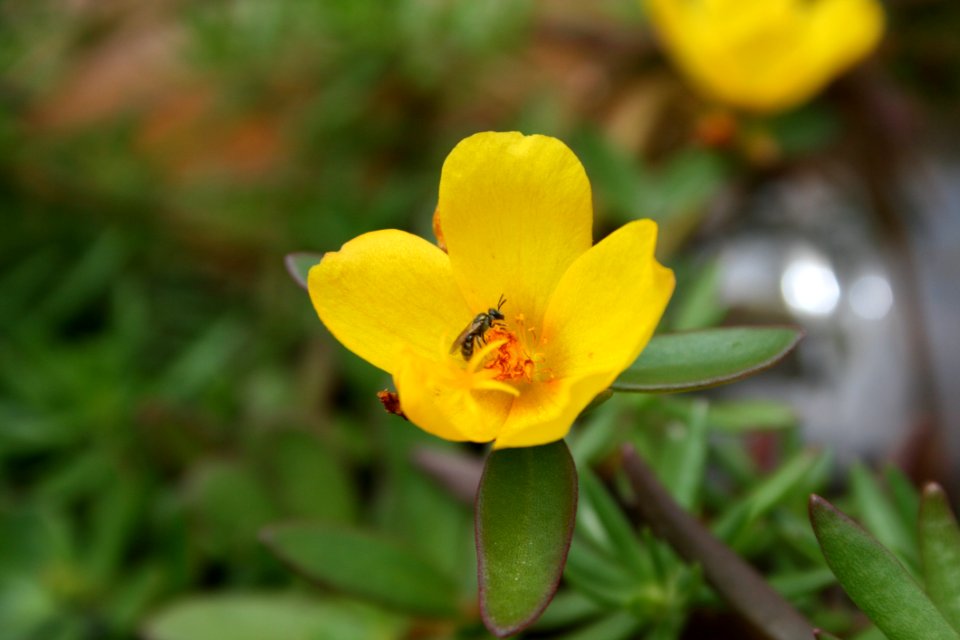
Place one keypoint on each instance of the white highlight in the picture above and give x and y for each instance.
(809, 286)
(871, 297)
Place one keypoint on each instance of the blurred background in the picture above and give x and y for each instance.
(165, 387)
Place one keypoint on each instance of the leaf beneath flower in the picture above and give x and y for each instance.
(525, 511)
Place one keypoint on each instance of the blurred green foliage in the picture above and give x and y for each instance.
(165, 389)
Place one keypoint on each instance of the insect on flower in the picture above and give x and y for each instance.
(476, 329)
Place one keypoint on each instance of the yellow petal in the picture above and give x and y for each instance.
(600, 317)
(515, 212)
(607, 305)
(862, 22)
(387, 291)
(766, 55)
(444, 398)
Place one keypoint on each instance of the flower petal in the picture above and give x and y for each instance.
(387, 291)
(545, 411)
(449, 401)
(607, 305)
(766, 55)
(515, 212)
(862, 22)
(600, 317)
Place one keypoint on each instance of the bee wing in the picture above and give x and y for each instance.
(460, 338)
(459, 341)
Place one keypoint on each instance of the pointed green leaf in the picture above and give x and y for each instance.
(701, 359)
(620, 625)
(616, 531)
(940, 549)
(744, 416)
(601, 578)
(364, 565)
(298, 265)
(766, 495)
(739, 584)
(569, 608)
(870, 633)
(904, 495)
(275, 616)
(874, 579)
(795, 584)
(881, 518)
(684, 456)
(525, 513)
(603, 429)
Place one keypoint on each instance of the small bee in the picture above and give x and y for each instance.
(475, 330)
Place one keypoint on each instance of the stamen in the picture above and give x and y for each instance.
(510, 360)
(495, 385)
(480, 356)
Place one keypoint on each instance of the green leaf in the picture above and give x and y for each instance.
(873, 578)
(681, 184)
(744, 416)
(26, 607)
(204, 360)
(591, 571)
(567, 609)
(701, 359)
(298, 265)
(413, 509)
(880, 517)
(114, 520)
(297, 463)
(700, 306)
(230, 504)
(525, 513)
(603, 429)
(274, 616)
(804, 130)
(766, 495)
(940, 550)
(364, 565)
(620, 625)
(684, 456)
(739, 584)
(903, 494)
(616, 531)
(796, 584)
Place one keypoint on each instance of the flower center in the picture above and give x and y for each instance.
(513, 356)
(510, 361)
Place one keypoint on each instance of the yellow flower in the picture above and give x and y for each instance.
(766, 55)
(516, 217)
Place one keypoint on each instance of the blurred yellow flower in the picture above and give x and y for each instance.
(516, 217)
(766, 55)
